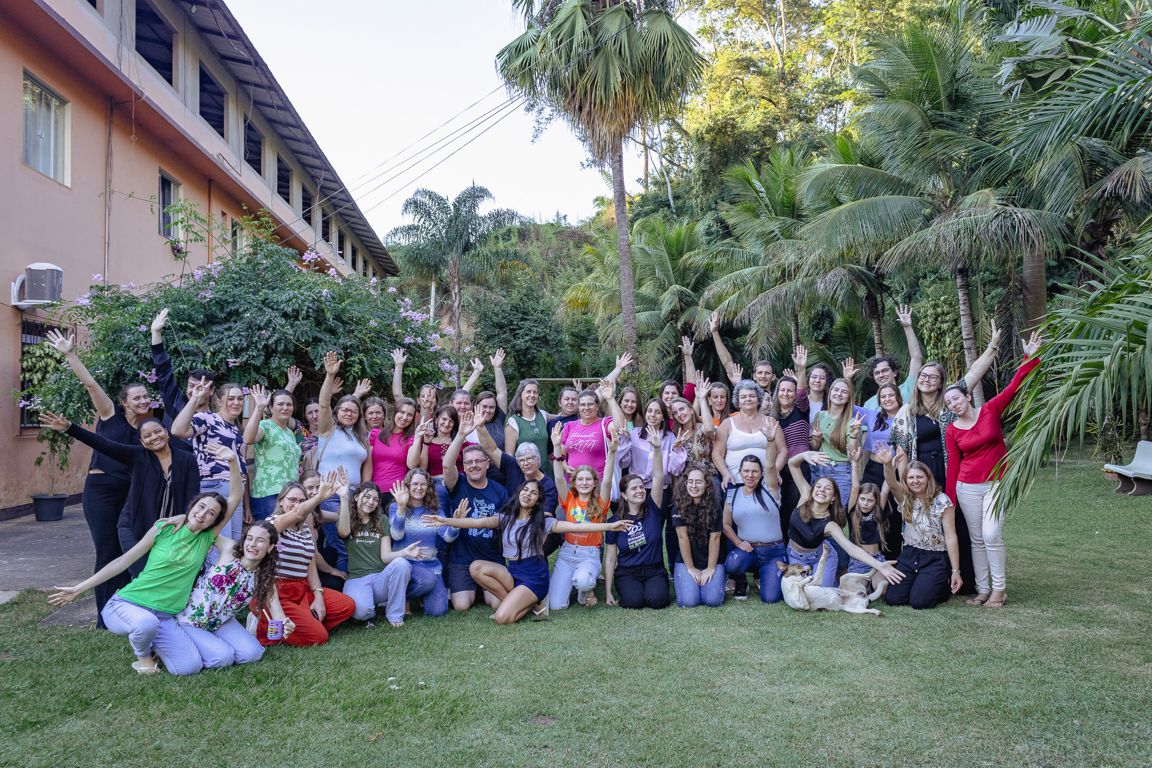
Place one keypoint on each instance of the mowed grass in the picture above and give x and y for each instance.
(1060, 677)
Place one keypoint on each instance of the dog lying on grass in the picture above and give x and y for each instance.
(852, 596)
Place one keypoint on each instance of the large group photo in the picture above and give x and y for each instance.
(795, 408)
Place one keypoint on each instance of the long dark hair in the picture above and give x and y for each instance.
(265, 572)
(698, 514)
(373, 525)
(623, 509)
(452, 414)
(881, 421)
(759, 492)
(665, 416)
(531, 536)
(386, 433)
(835, 507)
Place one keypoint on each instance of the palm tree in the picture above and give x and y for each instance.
(605, 66)
(447, 238)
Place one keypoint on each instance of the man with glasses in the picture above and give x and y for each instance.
(885, 369)
(485, 498)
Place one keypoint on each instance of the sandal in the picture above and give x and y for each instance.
(978, 599)
(145, 669)
(997, 602)
(540, 612)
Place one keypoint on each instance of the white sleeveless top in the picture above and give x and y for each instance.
(740, 444)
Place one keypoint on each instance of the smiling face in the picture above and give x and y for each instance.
(882, 373)
(347, 413)
(529, 495)
(231, 403)
(418, 487)
(529, 462)
(889, 399)
(747, 400)
(153, 436)
(203, 514)
(475, 465)
(589, 409)
(462, 403)
(367, 502)
(669, 392)
(403, 418)
(294, 497)
(696, 484)
(584, 482)
(282, 407)
(568, 401)
(824, 491)
(257, 542)
(137, 400)
(786, 395)
(193, 382)
(839, 393)
(683, 413)
(718, 400)
(764, 376)
(486, 409)
(629, 403)
(957, 402)
(312, 416)
(374, 416)
(530, 395)
(634, 491)
(653, 416)
(750, 473)
(444, 425)
(930, 379)
(312, 486)
(817, 380)
(917, 480)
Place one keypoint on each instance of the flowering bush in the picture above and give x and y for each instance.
(247, 318)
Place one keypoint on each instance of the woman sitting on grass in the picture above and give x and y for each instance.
(752, 524)
(820, 516)
(523, 526)
(407, 528)
(930, 545)
(146, 609)
(377, 576)
(246, 571)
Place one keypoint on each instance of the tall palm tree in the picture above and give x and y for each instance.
(447, 237)
(604, 66)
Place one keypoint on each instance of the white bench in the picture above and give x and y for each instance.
(1135, 478)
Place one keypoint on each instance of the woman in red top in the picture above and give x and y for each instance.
(975, 444)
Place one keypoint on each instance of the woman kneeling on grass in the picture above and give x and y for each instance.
(146, 609)
(523, 527)
(820, 516)
(633, 558)
(245, 571)
(377, 575)
(697, 573)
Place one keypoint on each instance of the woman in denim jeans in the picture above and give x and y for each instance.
(819, 516)
(697, 573)
(752, 524)
(833, 430)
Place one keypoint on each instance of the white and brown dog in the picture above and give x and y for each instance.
(852, 596)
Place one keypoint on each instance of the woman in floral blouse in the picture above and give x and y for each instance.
(243, 572)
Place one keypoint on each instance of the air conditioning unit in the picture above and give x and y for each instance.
(40, 284)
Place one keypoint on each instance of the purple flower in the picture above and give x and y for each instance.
(332, 272)
(97, 278)
(149, 377)
(198, 274)
(310, 256)
(205, 294)
(409, 341)
(372, 323)
(246, 390)
(233, 362)
(129, 286)
(325, 294)
(391, 288)
(142, 328)
(154, 404)
(84, 299)
(373, 281)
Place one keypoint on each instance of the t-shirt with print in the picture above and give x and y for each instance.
(643, 543)
(277, 460)
(363, 553)
(221, 592)
(476, 543)
(208, 428)
(584, 443)
(699, 545)
(573, 510)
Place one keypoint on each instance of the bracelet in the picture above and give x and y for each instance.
(955, 570)
(318, 589)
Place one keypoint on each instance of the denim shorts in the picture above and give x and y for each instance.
(859, 566)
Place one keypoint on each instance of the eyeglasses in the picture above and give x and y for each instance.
(925, 376)
(475, 462)
(292, 500)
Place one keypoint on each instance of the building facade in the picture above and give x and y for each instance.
(114, 109)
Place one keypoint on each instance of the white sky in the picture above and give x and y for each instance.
(370, 77)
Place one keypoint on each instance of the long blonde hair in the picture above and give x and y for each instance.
(839, 436)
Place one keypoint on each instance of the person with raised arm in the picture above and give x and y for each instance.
(164, 476)
(171, 395)
(413, 498)
(513, 471)
(763, 372)
(485, 498)
(834, 430)
(820, 516)
(885, 369)
(276, 450)
(930, 559)
(342, 444)
(584, 440)
(108, 482)
(794, 424)
(145, 610)
(976, 451)
(491, 408)
(584, 501)
(431, 440)
(695, 434)
(633, 556)
(742, 434)
(526, 422)
(522, 584)
(428, 395)
(389, 446)
(752, 525)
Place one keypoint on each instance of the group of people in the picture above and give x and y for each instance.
(356, 507)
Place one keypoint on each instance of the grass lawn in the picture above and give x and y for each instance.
(1062, 676)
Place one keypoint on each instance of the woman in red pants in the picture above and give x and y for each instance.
(313, 609)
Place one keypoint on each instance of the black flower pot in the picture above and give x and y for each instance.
(49, 507)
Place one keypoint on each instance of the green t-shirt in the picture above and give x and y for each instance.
(363, 554)
(277, 460)
(827, 422)
(173, 564)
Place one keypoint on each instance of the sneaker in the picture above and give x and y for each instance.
(729, 586)
(741, 590)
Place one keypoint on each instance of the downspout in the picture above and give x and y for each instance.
(108, 192)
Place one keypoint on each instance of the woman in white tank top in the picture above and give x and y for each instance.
(746, 432)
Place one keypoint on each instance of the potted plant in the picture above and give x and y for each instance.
(38, 363)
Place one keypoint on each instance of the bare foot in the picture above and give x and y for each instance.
(396, 624)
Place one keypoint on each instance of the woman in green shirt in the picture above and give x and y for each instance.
(146, 609)
(277, 452)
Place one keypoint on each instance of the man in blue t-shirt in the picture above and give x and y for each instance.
(484, 498)
(885, 369)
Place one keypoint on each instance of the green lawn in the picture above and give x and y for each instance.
(1060, 677)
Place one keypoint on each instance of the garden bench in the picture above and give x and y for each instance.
(1135, 479)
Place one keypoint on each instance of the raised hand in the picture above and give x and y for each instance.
(735, 373)
(54, 422)
(655, 439)
(332, 363)
(800, 356)
(467, 422)
(61, 343)
(159, 321)
(329, 482)
(295, 376)
(848, 366)
(200, 393)
(768, 427)
(497, 359)
(882, 453)
(686, 346)
(337, 385)
(605, 389)
(1032, 345)
(260, 397)
(854, 452)
(856, 426)
(994, 338)
(477, 366)
(363, 387)
(682, 439)
(623, 361)
(343, 487)
(221, 453)
(557, 434)
(815, 434)
(904, 315)
(789, 373)
(461, 509)
(714, 322)
(400, 496)
(428, 429)
(399, 356)
(818, 459)
(702, 383)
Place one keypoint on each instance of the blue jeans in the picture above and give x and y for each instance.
(263, 507)
(839, 473)
(577, 567)
(689, 594)
(812, 560)
(149, 632)
(427, 583)
(387, 588)
(332, 540)
(764, 560)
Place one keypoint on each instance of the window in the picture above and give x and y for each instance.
(154, 40)
(352, 256)
(253, 146)
(306, 204)
(325, 226)
(36, 360)
(45, 130)
(169, 195)
(237, 237)
(283, 179)
(340, 244)
(212, 101)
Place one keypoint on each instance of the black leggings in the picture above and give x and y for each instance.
(926, 577)
(642, 586)
(103, 498)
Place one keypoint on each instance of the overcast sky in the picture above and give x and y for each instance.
(370, 77)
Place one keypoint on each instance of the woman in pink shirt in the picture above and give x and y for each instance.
(390, 448)
(976, 449)
(584, 440)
